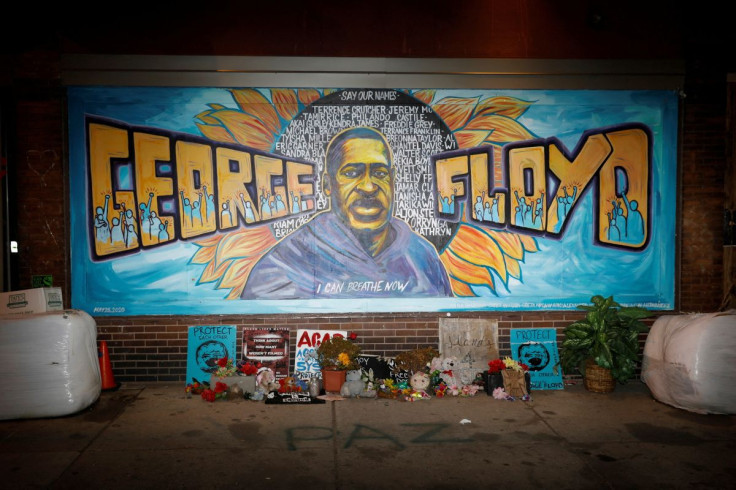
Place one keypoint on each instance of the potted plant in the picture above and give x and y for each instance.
(604, 345)
(336, 356)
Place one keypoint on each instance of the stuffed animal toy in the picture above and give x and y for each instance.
(354, 384)
(436, 364)
(448, 374)
(419, 383)
(289, 385)
(266, 380)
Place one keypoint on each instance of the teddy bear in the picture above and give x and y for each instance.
(354, 384)
(266, 380)
(448, 372)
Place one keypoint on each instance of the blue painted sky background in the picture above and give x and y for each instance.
(564, 273)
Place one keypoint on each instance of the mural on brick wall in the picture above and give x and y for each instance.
(197, 200)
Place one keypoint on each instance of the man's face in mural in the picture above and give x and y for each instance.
(361, 183)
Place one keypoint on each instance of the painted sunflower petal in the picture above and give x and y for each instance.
(460, 288)
(455, 110)
(286, 102)
(470, 139)
(466, 272)
(506, 130)
(307, 95)
(236, 276)
(215, 133)
(253, 102)
(512, 265)
(329, 91)
(246, 129)
(249, 242)
(204, 255)
(510, 243)
(212, 273)
(206, 118)
(426, 96)
(478, 248)
(503, 106)
(529, 242)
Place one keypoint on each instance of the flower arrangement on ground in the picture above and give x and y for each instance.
(248, 368)
(497, 365)
(220, 391)
(196, 387)
(416, 360)
(338, 353)
(507, 379)
(225, 367)
(387, 388)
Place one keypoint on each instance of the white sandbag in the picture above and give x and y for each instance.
(48, 364)
(690, 362)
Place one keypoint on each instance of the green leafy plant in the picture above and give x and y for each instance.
(338, 353)
(609, 335)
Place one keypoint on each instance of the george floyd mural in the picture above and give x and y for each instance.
(253, 201)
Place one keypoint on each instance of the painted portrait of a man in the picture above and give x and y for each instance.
(357, 248)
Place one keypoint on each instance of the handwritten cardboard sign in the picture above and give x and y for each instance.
(472, 341)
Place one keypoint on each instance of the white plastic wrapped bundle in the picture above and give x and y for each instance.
(689, 362)
(48, 364)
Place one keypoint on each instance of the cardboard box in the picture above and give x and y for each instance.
(28, 301)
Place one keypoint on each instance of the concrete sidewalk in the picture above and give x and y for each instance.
(152, 436)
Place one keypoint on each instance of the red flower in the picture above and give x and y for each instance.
(524, 366)
(208, 395)
(222, 362)
(353, 336)
(496, 366)
(220, 387)
(249, 368)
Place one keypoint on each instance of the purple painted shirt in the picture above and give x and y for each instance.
(323, 259)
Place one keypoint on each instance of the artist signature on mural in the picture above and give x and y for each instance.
(109, 309)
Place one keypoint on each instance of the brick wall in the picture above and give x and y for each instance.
(702, 193)
(155, 349)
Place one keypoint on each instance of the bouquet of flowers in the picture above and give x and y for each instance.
(248, 368)
(338, 353)
(497, 365)
(220, 391)
(225, 368)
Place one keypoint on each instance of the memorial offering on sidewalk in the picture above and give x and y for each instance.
(269, 347)
(473, 342)
(537, 349)
(205, 346)
(306, 364)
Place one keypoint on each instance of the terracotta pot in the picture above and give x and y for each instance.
(332, 380)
